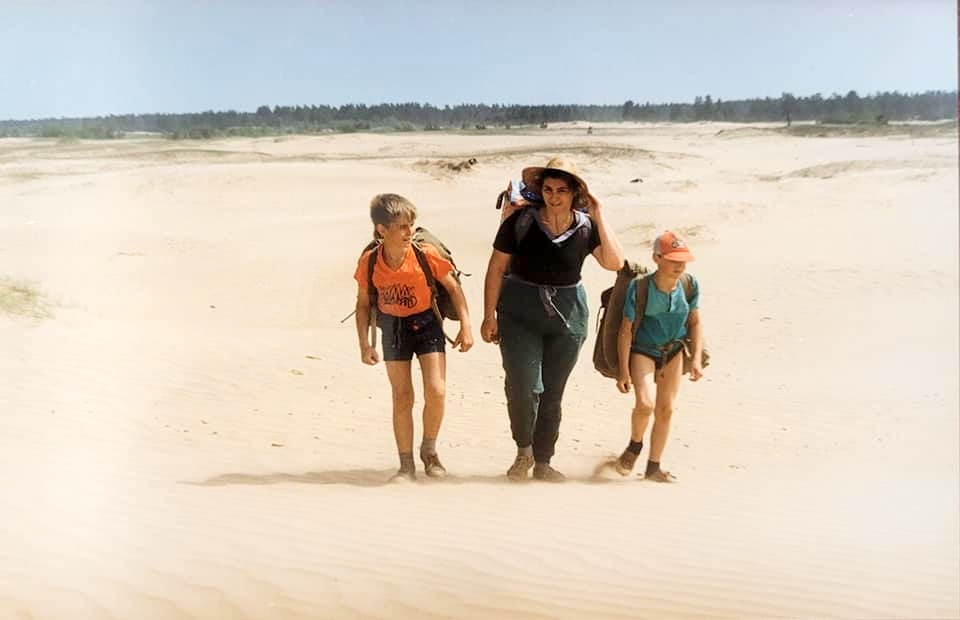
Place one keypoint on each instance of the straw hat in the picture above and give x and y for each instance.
(533, 176)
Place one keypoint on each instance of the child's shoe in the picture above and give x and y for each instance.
(660, 476)
(432, 466)
(404, 476)
(407, 471)
(625, 462)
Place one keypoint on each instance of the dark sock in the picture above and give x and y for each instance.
(635, 447)
(652, 467)
(427, 447)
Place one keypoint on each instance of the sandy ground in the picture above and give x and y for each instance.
(186, 429)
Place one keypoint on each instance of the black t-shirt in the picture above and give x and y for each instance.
(538, 259)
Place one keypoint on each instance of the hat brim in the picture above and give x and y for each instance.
(680, 256)
(533, 177)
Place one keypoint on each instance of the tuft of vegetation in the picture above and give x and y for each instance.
(21, 298)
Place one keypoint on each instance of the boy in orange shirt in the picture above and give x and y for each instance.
(409, 326)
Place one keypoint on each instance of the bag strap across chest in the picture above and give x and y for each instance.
(421, 256)
(643, 290)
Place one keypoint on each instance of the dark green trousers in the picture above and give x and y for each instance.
(541, 332)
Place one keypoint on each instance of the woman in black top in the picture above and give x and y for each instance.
(538, 313)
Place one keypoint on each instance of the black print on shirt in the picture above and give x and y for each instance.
(398, 295)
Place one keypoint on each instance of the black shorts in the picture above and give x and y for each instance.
(403, 336)
(663, 360)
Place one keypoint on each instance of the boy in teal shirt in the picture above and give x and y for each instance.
(651, 361)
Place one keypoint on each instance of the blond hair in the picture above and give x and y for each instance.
(387, 208)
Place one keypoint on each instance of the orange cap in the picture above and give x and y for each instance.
(672, 247)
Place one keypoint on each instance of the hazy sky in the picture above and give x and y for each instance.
(89, 58)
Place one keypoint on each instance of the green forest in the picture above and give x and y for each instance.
(878, 108)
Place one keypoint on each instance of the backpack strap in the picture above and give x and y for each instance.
(372, 294)
(432, 283)
(371, 263)
(522, 226)
(425, 267)
(640, 303)
(686, 280)
(371, 289)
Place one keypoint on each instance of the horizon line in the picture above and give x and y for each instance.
(502, 105)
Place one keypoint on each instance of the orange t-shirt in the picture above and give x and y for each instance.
(404, 291)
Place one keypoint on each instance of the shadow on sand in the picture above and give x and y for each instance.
(377, 478)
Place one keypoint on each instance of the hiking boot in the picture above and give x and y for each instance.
(404, 474)
(660, 476)
(520, 467)
(432, 466)
(543, 471)
(625, 462)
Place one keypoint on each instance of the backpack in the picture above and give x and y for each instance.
(440, 298)
(518, 194)
(605, 358)
(609, 317)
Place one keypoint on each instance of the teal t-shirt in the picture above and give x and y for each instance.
(665, 317)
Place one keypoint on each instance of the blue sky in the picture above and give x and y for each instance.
(99, 57)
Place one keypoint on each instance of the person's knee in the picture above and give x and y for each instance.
(548, 410)
(403, 397)
(663, 412)
(642, 410)
(523, 387)
(645, 403)
(435, 392)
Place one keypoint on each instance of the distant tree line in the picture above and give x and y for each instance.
(849, 108)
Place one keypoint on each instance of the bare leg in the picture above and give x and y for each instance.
(668, 385)
(642, 371)
(401, 384)
(434, 369)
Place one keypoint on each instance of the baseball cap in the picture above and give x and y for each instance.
(670, 246)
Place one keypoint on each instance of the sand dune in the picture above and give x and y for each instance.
(187, 430)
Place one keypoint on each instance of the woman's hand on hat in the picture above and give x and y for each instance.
(593, 205)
